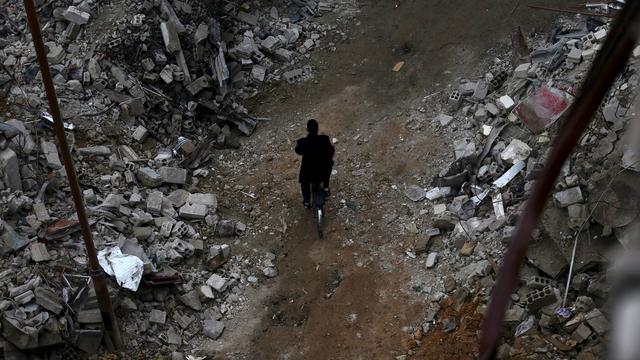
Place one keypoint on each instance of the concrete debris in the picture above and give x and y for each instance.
(533, 93)
(180, 103)
(213, 328)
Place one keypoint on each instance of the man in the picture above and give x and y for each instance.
(317, 161)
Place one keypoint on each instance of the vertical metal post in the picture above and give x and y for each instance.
(97, 275)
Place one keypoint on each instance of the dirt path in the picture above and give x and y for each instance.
(349, 295)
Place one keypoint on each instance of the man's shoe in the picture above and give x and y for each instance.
(307, 205)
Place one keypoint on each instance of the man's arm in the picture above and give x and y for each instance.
(299, 147)
(330, 149)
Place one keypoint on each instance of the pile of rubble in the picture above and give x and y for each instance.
(503, 124)
(148, 90)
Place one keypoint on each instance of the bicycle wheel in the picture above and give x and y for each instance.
(319, 218)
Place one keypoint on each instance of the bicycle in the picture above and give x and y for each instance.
(319, 197)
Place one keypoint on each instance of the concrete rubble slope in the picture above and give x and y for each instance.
(156, 98)
(140, 161)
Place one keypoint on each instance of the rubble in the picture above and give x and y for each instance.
(515, 121)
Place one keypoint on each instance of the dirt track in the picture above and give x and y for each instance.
(349, 295)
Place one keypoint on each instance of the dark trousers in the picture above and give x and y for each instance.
(306, 188)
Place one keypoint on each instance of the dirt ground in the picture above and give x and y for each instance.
(349, 295)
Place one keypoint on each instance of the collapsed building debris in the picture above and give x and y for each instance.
(146, 103)
(486, 187)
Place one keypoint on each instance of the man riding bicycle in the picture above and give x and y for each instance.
(317, 161)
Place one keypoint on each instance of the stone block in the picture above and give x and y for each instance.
(206, 199)
(522, 70)
(39, 252)
(444, 119)
(154, 202)
(198, 85)
(149, 177)
(76, 16)
(157, 316)
(95, 151)
(10, 170)
(193, 211)
(515, 151)
(568, 197)
(48, 300)
(170, 37)
(192, 300)
(217, 282)
(173, 175)
(431, 260)
(140, 134)
(213, 328)
(50, 152)
(540, 298)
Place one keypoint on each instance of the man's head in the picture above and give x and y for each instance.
(312, 127)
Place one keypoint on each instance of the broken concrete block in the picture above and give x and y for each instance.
(191, 300)
(247, 18)
(166, 74)
(270, 44)
(581, 333)
(48, 300)
(506, 102)
(515, 151)
(76, 16)
(258, 73)
(213, 328)
(522, 71)
(492, 109)
(154, 202)
(431, 260)
(157, 316)
(25, 297)
(198, 85)
(56, 53)
(283, 55)
(41, 212)
(467, 88)
(140, 134)
(23, 141)
(270, 272)
(51, 154)
(88, 340)
(149, 177)
(217, 282)
(39, 252)
(598, 322)
(206, 199)
(481, 90)
(10, 170)
(193, 211)
(206, 291)
(90, 316)
(540, 298)
(172, 175)
(444, 119)
(95, 151)
(574, 56)
(170, 37)
(568, 197)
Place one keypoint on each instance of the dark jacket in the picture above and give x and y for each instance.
(317, 158)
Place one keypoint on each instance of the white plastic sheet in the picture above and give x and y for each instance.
(127, 269)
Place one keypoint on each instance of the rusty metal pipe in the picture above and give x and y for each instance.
(608, 64)
(97, 275)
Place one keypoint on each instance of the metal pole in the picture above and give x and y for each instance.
(97, 275)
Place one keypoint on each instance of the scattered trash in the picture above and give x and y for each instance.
(127, 269)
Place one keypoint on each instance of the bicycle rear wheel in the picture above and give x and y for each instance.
(319, 220)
